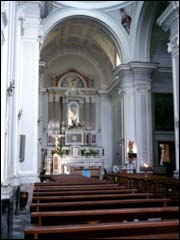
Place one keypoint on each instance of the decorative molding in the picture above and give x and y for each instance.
(21, 18)
(164, 69)
(6, 192)
(174, 43)
(135, 76)
(42, 66)
(28, 178)
(170, 14)
(4, 17)
(105, 5)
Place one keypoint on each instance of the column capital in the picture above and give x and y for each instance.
(135, 76)
(169, 16)
(132, 67)
(103, 93)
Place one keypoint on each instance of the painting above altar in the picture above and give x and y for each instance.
(73, 79)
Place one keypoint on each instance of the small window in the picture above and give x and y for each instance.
(118, 61)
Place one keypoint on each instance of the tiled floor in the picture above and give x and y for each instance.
(20, 221)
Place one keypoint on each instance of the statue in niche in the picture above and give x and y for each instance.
(73, 115)
(126, 20)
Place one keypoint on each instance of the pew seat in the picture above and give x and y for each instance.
(93, 231)
(109, 204)
(102, 215)
(87, 197)
(80, 192)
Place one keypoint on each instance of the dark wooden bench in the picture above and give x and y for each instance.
(152, 236)
(86, 197)
(71, 180)
(100, 230)
(80, 192)
(75, 187)
(109, 204)
(73, 183)
(103, 215)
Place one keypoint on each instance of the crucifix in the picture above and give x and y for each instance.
(56, 141)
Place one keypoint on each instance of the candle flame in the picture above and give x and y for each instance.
(145, 165)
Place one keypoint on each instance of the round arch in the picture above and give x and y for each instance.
(118, 33)
(142, 29)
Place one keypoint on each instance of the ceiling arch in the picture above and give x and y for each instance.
(81, 61)
(114, 30)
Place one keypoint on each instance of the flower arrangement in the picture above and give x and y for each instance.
(60, 151)
(88, 152)
(76, 125)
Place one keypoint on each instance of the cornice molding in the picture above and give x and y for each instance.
(170, 14)
(102, 5)
(140, 66)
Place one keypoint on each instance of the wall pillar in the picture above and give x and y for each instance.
(169, 20)
(29, 77)
(135, 91)
(8, 98)
(106, 122)
(143, 108)
(126, 91)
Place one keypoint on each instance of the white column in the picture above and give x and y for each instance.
(29, 77)
(8, 34)
(175, 63)
(106, 129)
(127, 93)
(143, 109)
(135, 91)
(4, 53)
(98, 120)
(169, 20)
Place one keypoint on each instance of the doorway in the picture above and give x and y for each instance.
(166, 153)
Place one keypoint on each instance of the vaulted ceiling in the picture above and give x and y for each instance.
(81, 38)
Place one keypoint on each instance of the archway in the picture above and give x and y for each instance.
(90, 47)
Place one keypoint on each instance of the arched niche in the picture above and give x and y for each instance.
(72, 79)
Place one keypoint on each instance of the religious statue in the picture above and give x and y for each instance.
(130, 146)
(126, 20)
(73, 114)
(56, 142)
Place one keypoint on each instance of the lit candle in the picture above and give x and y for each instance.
(145, 165)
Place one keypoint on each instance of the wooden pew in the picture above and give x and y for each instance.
(109, 204)
(70, 180)
(80, 192)
(75, 187)
(101, 230)
(86, 197)
(103, 215)
(67, 183)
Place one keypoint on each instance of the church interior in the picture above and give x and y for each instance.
(89, 119)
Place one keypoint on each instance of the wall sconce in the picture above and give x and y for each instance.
(20, 114)
(10, 89)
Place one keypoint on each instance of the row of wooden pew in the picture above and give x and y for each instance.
(76, 207)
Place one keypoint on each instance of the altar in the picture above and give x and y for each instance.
(73, 137)
(70, 165)
(75, 159)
